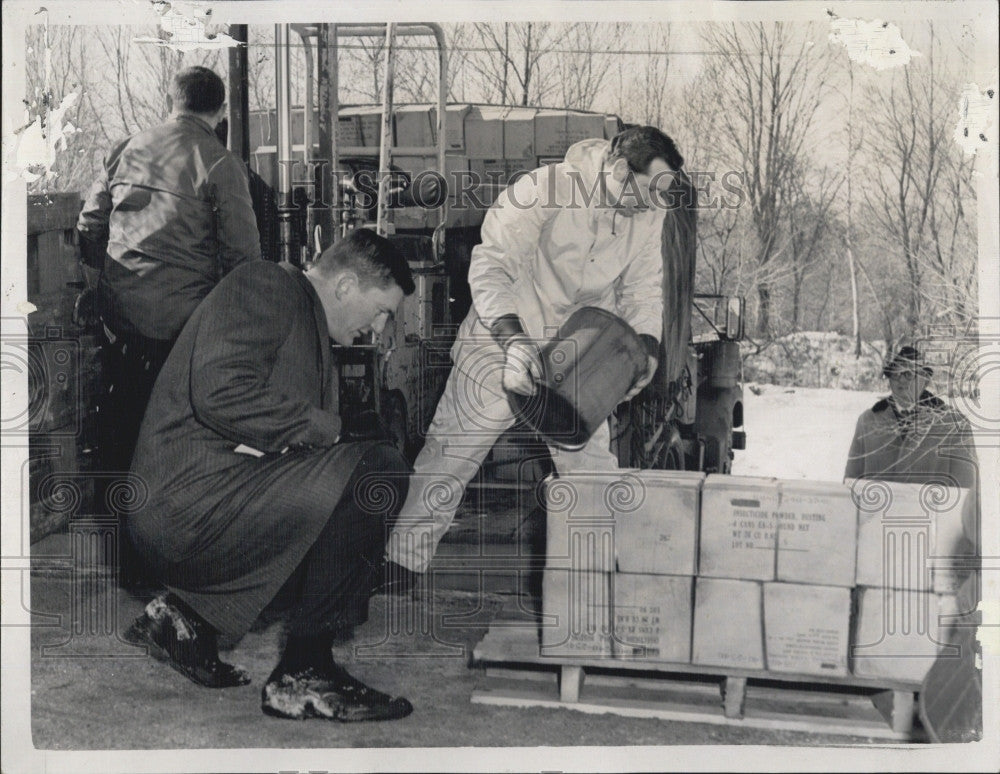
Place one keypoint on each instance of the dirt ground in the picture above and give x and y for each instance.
(92, 691)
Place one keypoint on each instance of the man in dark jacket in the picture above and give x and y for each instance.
(258, 492)
(169, 215)
(912, 435)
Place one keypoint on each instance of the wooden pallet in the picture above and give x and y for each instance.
(516, 675)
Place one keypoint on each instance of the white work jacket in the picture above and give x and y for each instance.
(547, 251)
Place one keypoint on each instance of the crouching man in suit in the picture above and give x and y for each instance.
(259, 494)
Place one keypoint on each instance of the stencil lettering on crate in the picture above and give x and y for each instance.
(639, 627)
(813, 643)
(753, 527)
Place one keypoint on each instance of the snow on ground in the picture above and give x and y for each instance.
(799, 432)
(815, 359)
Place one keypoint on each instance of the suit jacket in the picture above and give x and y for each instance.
(252, 368)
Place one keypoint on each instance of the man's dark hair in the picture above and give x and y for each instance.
(197, 90)
(375, 260)
(641, 144)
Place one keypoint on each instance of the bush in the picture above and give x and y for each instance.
(816, 359)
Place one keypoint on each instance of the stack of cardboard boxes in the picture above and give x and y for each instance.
(909, 536)
(775, 575)
(749, 573)
(621, 555)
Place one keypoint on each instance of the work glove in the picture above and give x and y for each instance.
(643, 380)
(652, 346)
(364, 426)
(522, 366)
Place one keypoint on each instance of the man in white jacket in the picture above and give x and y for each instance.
(584, 232)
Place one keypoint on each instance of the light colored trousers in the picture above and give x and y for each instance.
(472, 413)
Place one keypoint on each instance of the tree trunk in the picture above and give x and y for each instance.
(527, 67)
(855, 317)
(506, 61)
(764, 309)
(796, 295)
(855, 323)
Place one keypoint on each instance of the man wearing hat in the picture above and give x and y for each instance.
(912, 435)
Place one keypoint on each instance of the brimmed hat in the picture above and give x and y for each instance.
(907, 359)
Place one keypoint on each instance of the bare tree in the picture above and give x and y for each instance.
(854, 139)
(54, 70)
(122, 86)
(370, 53)
(646, 92)
(922, 190)
(808, 210)
(770, 82)
(693, 121)
(512, 66)
(584, 61)
(260, 67)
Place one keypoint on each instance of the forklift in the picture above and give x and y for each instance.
(333, 168)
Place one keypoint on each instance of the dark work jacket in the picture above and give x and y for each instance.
(173, 206)
(932, 443)
(252, 367)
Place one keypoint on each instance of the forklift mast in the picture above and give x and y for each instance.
(322, 151)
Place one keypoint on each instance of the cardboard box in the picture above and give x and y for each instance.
(612, 126)
(455, 117)
(807, 628)
(580, 524)
(550, 133)
(656, 528)
(635, 521)
(413, 126)
(514, 168)
(728, 626)
(950, 547)
(583, 126)
(348, 131)
(908, 535)
(738, 524)
(484, 130)
(817, 533)
(576, 614)
(417, 164)
(556, 130)
(416, 126)
(489, 171)
(519, 134)
(898, 633)
(370, 121)
(652, 617)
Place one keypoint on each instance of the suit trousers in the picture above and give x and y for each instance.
(329, 590)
